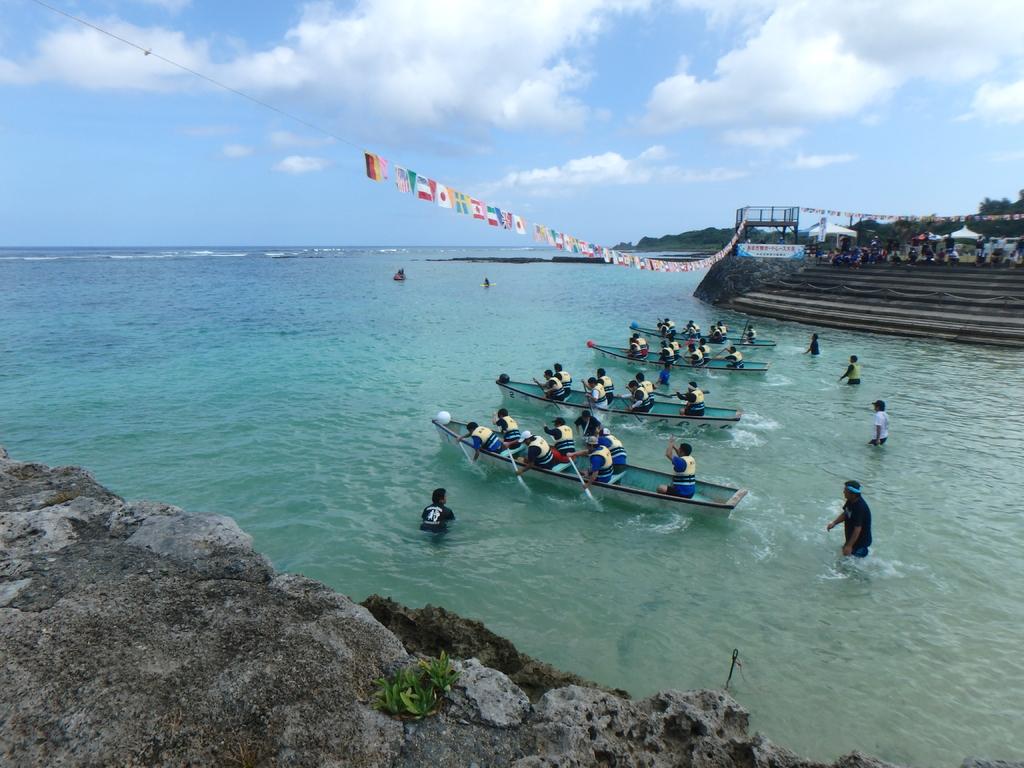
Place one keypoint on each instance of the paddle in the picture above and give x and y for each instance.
(515, 470)
(586, 490)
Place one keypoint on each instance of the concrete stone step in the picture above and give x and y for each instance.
(897, 276)
(907, 272)
(868, 318)
(885, 309)
(978, 305)
(925, 292)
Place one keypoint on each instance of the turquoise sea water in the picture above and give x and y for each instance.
(295, 395)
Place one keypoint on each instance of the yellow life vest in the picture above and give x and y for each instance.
(545, 449)
(615, 442)
(510, 423)
(705, 350)
(696, 356)
(606, 457)
(734, 356)
(564, 432)
(565, 377)
(599, 388)
(675, 345)
(699, 395)
(646, 386)
(854, 370)
(642, 342)
(555, 384)
(751, 333)
(484, 433)
(688, 476)
(670, 325)
(606, 382)
(693, 328)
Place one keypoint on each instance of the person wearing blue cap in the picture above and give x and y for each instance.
(856, 520)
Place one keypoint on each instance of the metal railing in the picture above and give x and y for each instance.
(769, 215)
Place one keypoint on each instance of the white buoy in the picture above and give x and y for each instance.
(443, 418)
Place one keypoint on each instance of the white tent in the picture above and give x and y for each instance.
(965, 234)
(831, 229)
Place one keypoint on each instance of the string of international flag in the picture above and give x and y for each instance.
(925, 218)
(430, 190)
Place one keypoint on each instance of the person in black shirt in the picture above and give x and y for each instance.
(436, 516)
(587, 424)
(856, 520)
(813, 348)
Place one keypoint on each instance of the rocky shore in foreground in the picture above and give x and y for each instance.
(135, 634)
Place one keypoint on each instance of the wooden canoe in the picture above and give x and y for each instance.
(681, 337)
(652, 361)
(637, 485)
(663, 411)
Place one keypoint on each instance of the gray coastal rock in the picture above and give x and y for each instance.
(135, 634)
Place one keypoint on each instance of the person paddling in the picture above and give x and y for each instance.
(482, 439)
(620, 460)
(684, 470)
(487, 283)
(539, 455)
(561, 433)
(587, 424)
(734, 358)
(597, 397)
(606, 381)
(856, 520)
(511, 437)
(600, 469)
(553, 386)
(694, 398)
(640, 400)
(852, 374)
(565, 376)
(435, 516)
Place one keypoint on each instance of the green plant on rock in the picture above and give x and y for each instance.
(416, 691)
(440, 672)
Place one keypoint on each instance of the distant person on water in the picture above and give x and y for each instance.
(684, 470)
(812, 349)
(487, 283)
(856, 520)
(881, 424)
(436, 515)
(852, 374)
(481, 438)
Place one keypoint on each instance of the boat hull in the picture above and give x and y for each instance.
(667, 412)
(750, 366)
(711, 499)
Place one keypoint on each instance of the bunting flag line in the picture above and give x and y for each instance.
(376, 167)
(925, 218)
(407, 181)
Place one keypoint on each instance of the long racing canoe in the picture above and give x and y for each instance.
(681, 335)
(636, 485)
(661, 411)
(618, 353)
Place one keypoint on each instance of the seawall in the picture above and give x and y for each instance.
(133, 633)
(977, 305)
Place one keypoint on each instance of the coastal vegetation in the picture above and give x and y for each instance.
(416, 691)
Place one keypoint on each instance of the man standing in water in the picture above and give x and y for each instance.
(881, 424)
(856, 520)
(852, 374)
(436, 515)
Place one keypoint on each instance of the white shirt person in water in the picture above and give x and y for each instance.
(881, 424)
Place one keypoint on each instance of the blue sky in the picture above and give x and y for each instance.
(607, 119)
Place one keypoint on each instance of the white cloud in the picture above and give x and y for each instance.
(814, 162)
(830, 59)
(765, 138)
(609, 168)
(389, 62)
(289, 139)
(85, 58)
(1000, 103)
(296, 164)
(235, 151)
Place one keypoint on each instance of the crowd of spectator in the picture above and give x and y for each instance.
(920, 249)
